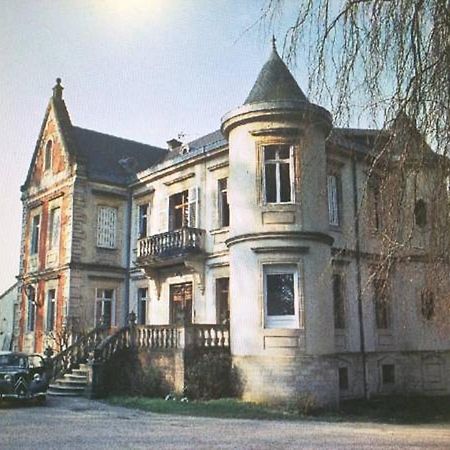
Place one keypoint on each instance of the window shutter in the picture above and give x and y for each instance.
(55, 227)
(333, 212)
(193, 209)
(106, 227)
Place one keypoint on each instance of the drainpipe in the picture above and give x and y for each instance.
(358, 277)
(126, 303)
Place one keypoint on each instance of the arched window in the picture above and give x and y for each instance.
(48, 155)
(420, 213)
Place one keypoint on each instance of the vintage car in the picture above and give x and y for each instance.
(23, 377)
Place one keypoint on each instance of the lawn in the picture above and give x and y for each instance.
(402, 410)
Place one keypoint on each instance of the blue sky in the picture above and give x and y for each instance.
(141, 69)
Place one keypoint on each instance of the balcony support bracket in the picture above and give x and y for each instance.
(198, 266)
(154, 274)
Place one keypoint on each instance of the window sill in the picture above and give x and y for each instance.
(284, 207)
(283, 331)
(222, 230)
(108, 249)
(336, 228)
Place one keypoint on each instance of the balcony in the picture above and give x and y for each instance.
(185, 246)
(170, 245)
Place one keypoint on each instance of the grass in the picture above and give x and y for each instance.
(401, 410)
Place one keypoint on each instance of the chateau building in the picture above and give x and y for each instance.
(258, 225)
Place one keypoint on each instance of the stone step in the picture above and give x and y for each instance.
(68, 382)
(75, 377)
(80, 372)
(54, 393)
(63, 387)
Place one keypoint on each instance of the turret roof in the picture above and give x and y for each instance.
(275, 83)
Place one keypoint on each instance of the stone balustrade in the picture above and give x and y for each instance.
(174, 242)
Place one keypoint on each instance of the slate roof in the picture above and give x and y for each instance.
(112, 159)
(275, 83)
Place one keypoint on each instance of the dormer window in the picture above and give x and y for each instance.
(278, 174)
(48, 155)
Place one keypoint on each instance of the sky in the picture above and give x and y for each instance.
(146, 70)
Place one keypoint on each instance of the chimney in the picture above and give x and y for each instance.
(173, 144)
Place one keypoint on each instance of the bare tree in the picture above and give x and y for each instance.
(388, 61)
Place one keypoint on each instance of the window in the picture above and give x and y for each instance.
(142, 306)
(184, 209)
(339, 301)
(278, 174)
(333, 188)
(104, 307)
(35, 227)
(223, 206)
(375, 206)
(51, 309)
(343, 378)
(55, 219)
(31, 311)
(106, 227)
(427, 298)
(48, 155)
(181, 304)
(382, 304)
(420, 213)
(388, 373)
(281, 296)
(143, 220)
(222, 300)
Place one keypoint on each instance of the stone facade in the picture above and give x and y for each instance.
(254, 226)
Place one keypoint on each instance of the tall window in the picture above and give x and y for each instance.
(382, 305)
(223, 206)
(278, 174)
(106, 227)
(55, 220)
(281, 296)
(222, 300)
(48, 155)
(427, 298)
(51, 309)
(142, 306)
(143, 220)
(374, 205)
(339, 301)
(31, 310)
(104, 307)
(35, 227)
(333, 185)
(184, 209)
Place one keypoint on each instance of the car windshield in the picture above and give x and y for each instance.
(13, 360)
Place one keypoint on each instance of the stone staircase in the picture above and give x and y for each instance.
(72, 384)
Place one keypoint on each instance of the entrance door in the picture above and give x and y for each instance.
(181, 303)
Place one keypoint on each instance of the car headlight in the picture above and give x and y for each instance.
(8, 378)
(37, 377)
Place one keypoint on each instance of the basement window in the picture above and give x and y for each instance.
(278, 174)
(388, 374)
(343, 378)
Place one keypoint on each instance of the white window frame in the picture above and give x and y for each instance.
(35, 234)
(220, 201)
(277, 174)
(333, 200)
(141, 218)
(48, 310)
(100, 298)
(285, 321)
(138, 308)
(107, 227)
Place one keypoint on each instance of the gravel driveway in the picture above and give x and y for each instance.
(77, 423)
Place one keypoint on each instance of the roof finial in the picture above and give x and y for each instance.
(57, 90)
(274, 42)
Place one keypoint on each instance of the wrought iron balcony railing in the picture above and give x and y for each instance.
(172, 243)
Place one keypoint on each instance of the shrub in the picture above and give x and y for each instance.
(210, 376)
